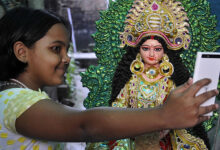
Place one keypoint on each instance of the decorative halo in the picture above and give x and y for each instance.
(166, 19)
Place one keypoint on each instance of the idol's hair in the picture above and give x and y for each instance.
(123, 73)
(28, 26)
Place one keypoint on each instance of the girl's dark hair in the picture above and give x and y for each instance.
(28, 26)
(180, 76)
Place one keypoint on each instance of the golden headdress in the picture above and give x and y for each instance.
(164, 18)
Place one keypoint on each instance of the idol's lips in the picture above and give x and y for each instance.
(151, 58)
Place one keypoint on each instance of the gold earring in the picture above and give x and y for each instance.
(166, 68)
(137, 65)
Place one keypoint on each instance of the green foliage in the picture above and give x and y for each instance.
(209, 124)
(70, 74)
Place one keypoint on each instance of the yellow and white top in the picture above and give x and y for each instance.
(13, 102)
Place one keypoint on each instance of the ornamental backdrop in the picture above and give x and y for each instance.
(98, 79)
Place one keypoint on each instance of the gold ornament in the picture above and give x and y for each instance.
(166, 68)
(137, 65)
(164, 18)
(151, 72)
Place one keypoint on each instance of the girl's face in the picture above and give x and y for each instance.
(151, 52)
(47, 59)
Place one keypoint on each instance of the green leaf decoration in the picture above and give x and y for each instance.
(203, 30)
(98, 79)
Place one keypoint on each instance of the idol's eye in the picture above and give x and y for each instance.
(145, 48)
(158, 49)
(56, 49)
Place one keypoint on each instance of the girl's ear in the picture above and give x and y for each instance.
(20, 51)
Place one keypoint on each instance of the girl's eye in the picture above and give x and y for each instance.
(56, 49)
(145, 48)
(158, 49)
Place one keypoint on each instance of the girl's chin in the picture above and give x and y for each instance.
(58, 81)
(61, 81)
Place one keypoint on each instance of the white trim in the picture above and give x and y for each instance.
(72, 28)
(83, 55)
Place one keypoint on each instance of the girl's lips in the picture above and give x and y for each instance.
(61, 70)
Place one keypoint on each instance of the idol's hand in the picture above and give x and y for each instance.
(183, 109)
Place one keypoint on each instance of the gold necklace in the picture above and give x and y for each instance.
(151, 72)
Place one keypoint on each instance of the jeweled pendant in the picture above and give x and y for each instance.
(151, 72)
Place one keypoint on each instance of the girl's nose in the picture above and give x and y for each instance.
(66, 59)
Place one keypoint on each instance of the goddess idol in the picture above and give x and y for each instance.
(155, 34)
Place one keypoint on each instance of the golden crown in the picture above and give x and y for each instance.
(164, 18)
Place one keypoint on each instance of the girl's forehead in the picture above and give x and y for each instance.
(58, 32)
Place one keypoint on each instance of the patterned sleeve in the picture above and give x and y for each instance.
(19, 100)
(122, 99)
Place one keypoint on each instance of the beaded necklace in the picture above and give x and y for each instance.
(20, 84)
(11, 84)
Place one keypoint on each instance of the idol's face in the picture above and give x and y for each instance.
(151, 52)
(48, 59)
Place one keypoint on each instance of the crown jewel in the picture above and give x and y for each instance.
(163, 18)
